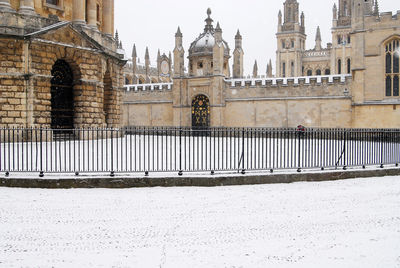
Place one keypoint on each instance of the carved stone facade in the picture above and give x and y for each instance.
(309, 87)
(60, 66)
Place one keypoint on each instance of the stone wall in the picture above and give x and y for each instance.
(313, 102)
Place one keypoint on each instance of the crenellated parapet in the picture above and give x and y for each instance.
(156, 87)
(290, 81)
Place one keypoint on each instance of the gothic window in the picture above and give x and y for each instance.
(392, 51)
(309, 73)
(348, 66)
(283, 44)
(292, 43)
(339, 40)
(327, 71)
(283, 69)
(318, 72)
(302, 70)
(292, 69)
(339, 66)
(348, 39)
(200, 65)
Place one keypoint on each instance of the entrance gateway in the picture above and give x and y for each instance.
(201, 112)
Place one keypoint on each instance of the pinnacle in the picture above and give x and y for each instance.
(134, 55)
(147, 53)
(218, 28)
(238, 35)
(178, 32)
(318, 36)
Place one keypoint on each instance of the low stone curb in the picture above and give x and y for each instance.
(201, 181)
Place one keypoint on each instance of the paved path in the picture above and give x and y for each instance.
(353, 223)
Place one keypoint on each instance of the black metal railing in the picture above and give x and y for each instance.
(171, 149)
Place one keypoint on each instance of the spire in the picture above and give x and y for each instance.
(255, 69)
(376, 8)
(120, 45)
(147, 56)
(209, 27)
(269, 69)
(134, 55)
(302, 19)
(178, 32)
(116, 37)
(158, 54)
(334, 10)
(318, 40)
(218, 28)
(280, 17)
(318, 35)
(238, 35)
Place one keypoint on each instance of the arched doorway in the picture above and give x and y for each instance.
(62, 99)
(201, 112)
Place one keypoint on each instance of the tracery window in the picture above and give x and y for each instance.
(309, 73)
(392, 53)
(318, 72)
(339, 66)
(348, 66)
(327, 71)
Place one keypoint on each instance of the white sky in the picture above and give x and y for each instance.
(153, 23)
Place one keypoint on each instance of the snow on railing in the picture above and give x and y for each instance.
(284, 80)
(148, 87)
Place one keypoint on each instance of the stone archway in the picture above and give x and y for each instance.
(200, 112)
(62, 97)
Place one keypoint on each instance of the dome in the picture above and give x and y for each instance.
(203, 45)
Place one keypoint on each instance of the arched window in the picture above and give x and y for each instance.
(309, 73)
(339, 66)
(348, 66)
(318, 72)
(392, 51)
(327, 71)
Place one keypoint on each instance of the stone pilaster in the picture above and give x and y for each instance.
(78, 12)
(27, 7)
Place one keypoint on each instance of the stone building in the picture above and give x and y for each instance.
(60, 66)
(352, 82)
(136, 72)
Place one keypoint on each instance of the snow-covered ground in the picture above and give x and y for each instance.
(353, 223)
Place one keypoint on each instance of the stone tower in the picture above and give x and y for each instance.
(238, 57)
(291, 40)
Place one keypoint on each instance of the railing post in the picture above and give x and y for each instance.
(180, 173)
(41, 173)
(112, 173)
(243, 169)
(381, 141)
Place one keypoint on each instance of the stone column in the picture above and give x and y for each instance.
(78, 12)
(27, 7)
(107, 17)
(92, 13)
(5, 5)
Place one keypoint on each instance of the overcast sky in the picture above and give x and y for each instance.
(153, 23)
